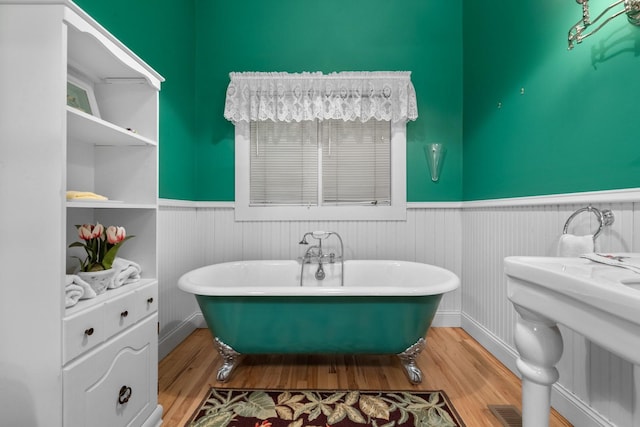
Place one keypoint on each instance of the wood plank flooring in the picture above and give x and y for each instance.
(452, 361)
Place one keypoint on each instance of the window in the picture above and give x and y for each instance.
(320, 170)
(320, 163)
(316, 147)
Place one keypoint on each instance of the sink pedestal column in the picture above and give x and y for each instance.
(539, 345)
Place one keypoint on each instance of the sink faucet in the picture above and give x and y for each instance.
(314, 253)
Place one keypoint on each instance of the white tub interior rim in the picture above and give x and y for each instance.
(282, 277)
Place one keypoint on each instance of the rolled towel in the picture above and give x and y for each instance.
(126, 272)
(72, 294)
(76, 289)
(571, 245)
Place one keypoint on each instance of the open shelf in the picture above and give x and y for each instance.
(109, 204)
(93, 130)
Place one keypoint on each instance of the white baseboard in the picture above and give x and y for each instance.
(169, 341)
(450, 319)
(155, 419)
(505, 354)
(566, 403)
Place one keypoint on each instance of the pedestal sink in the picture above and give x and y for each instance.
(600, 302)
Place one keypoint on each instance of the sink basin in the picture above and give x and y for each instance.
(599, 301)
(596, 289)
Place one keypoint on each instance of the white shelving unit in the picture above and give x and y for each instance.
(94, 363)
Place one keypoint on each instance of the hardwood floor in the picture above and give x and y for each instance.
(453, 362)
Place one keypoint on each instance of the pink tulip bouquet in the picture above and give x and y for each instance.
(100, 244)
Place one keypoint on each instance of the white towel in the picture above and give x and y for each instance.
(76, 289)
(126, 272)
(571, 245)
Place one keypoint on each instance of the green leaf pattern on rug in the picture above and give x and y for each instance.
(426, 413)
(258, 405)
(367, 409)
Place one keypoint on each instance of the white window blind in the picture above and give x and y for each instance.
(311, 163)
(356, 162)
(284, 163)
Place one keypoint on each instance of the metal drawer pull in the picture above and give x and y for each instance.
(124, 313)
(124, 395)
(150, 301)
(88, 331)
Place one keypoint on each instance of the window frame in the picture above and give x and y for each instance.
(395, 211)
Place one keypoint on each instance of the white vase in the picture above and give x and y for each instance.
(98, 280)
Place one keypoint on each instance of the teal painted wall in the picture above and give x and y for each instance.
(575, 127)
(161, 33)
(424, 37)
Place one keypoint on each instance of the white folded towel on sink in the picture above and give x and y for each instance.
(571, 245)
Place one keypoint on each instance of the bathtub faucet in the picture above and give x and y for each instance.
(314, 253)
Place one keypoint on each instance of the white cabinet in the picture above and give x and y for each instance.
(115, 384)
(61, 365)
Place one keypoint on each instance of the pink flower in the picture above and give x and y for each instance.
(115, 234)
(265, 423)
(100, 245)
(84, 231)
(97, 231)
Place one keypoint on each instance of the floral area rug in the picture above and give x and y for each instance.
(224, 407)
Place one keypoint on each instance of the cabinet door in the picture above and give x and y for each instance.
(115, 384)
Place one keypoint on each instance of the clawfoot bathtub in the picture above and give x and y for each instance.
(258, 307)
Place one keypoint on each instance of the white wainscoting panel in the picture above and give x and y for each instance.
(179, 250)
(595, 386)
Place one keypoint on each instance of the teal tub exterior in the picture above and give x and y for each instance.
(258, 307)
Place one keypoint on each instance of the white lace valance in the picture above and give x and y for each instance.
(296, 97)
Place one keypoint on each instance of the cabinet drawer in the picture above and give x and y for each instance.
(116, 384)
(120, 313)
(82, 332)
(107, 315)
(147, 300)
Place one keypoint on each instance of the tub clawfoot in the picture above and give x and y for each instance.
(230, 357)
(408, 359)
